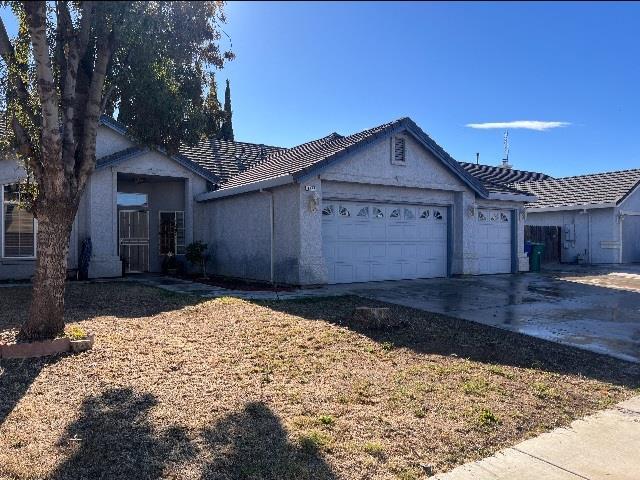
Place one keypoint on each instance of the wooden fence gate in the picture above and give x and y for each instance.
(549, 236)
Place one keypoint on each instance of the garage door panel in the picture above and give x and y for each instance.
(493, 241)
(383, 242)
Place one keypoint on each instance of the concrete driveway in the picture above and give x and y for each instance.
(596, 309)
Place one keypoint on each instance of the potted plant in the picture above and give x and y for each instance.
(196, 254)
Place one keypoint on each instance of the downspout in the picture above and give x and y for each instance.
(589, 237)
(620, 219)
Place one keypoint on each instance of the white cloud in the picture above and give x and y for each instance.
(526, 124)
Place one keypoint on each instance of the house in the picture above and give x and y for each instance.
(593, 219)
(384, 203)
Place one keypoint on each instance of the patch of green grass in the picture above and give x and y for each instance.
(369, 348)
(75, 333)
(476, 386)
(486, 418)
(315, 440)
(387, 346)
(375, 449)
(542, 390)
(501, 371)
(409, 474)
(326, 420)
(420, 412)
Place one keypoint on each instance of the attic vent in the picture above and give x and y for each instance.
(398, 151)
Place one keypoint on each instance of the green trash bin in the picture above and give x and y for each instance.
(537, 250)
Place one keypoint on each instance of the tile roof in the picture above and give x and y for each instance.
(299, 160)
(501, 175)
(608, 187)
(226, 159)
(120, 156)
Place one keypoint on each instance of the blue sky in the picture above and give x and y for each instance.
(307, 69)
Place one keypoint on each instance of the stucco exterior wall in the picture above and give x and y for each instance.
(238, 232)
(630, 208)
(594, 234)
(108, 142)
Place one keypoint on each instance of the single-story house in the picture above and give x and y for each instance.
(384, 203)
(591, 219)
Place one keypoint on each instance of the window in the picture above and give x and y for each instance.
(398, 154)
(481, 216)
(494, 216)
(408, 214)
(344, 212)
(503, 217)
(424, 214)
(172, 233)
(377, 213)
(364, 212)
(395, 213)
(328, 210)
(132, 199)
(18, 225)
(437, 215)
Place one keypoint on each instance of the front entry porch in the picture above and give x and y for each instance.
(151, 221)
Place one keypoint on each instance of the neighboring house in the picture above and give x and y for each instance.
(593, 218)
(385, 203)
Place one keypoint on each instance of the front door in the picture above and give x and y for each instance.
(134, 240)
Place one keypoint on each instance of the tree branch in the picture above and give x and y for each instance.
(51, 141)
(7, 52)
(106, 46)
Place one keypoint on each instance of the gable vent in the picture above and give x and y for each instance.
(399, 150)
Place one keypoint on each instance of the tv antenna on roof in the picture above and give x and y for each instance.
(505, 157)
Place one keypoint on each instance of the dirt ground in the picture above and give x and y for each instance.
(177, 387)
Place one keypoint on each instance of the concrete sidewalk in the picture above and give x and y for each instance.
(602, 446)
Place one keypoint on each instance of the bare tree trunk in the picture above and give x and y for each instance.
(46, 313)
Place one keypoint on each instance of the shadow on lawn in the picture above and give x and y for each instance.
(85, 301)
(115, 438)
(253, 444)
(16, 376)
(430, 333)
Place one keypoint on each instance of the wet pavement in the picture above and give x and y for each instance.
(595, 310)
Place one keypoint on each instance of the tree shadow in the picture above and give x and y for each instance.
(84, 301)
(253, 445)
(430, 333)
(115, 439)
(16, 376)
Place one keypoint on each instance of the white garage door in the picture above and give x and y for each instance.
(494, 241)
(367, 241)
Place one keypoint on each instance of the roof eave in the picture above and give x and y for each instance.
(512, 197)
(249, 187)
(560, 208)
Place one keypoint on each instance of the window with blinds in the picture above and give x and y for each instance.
(18, 225)
(172, 237)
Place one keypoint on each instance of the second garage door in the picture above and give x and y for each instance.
(494, 241)
(368, 241)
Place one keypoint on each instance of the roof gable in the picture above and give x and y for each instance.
(313, 156)
(137, 150)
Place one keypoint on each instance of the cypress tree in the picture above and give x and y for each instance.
(226, 131)
(213, 110)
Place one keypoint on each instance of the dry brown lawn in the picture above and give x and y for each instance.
(178, 387)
